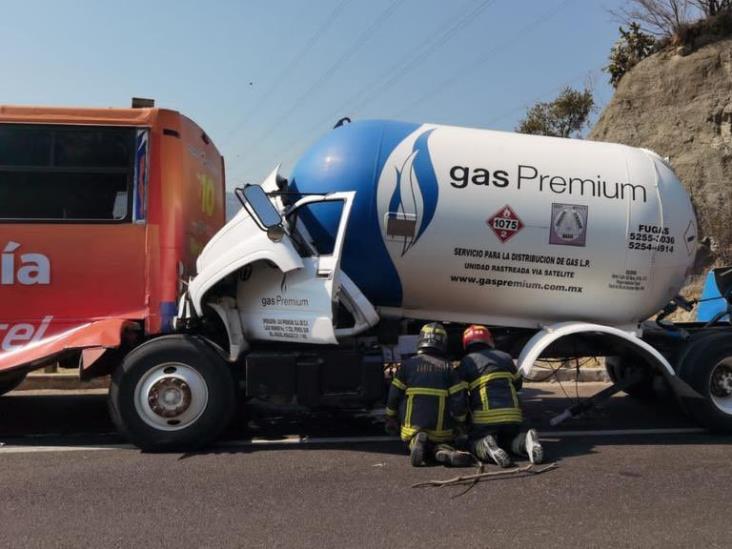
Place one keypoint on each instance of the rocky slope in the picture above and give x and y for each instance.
(681, 106)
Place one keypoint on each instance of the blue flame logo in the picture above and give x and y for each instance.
(414, 200)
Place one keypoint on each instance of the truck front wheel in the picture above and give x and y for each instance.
(172, 393)
(707, 367)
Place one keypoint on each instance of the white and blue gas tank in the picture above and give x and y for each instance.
(474, 225)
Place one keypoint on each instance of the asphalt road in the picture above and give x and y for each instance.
(63, 484)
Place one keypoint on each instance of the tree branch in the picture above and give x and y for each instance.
(477, 477)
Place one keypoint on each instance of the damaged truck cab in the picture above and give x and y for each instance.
(287, 286)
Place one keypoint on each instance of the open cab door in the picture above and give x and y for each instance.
(299, 305)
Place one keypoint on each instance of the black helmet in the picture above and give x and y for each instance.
(432, 336)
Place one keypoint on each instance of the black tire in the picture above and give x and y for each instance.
(696, 367)
(618, 367)
(194, 354)
(10, 381)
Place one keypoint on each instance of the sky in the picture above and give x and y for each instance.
(266, 78)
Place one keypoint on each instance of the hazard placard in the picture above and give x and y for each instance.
(505, 223)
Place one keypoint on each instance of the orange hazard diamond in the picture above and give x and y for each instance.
(505, 223)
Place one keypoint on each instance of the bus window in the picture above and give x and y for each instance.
(66, 173)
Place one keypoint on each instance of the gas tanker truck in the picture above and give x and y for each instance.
(564, 247)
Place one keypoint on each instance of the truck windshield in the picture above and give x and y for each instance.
(66, 173)
(299, 236)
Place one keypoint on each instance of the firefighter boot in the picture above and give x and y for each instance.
(533, 447)
(486, 449)
(418, 449)
(527, 444)
(447, 455)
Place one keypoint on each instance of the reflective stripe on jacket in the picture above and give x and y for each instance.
(492, 378)
(428, 395)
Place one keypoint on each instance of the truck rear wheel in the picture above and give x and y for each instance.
(172, 393)
(707, 367)
(11, 380)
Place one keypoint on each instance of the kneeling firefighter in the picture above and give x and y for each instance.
(429, 399)
(496, 420)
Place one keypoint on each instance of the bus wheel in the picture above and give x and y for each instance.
(172, 393)
(11, 380)
(618, 368)
(707, 367)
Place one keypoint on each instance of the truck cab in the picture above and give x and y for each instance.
(290, 287)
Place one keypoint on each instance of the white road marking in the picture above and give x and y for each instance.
(309, 440)
(296, 439)
(18, 449)
(624, 432)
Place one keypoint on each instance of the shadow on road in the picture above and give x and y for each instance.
(83, 420)
(559, 448)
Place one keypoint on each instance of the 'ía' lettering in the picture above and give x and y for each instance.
(25, 269)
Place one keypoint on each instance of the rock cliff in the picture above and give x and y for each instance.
(680, 106)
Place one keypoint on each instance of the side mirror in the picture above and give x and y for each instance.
(257, 203)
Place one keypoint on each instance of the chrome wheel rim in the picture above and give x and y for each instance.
(171, 396)
(720, 386)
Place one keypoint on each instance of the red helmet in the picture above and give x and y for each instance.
(477, 334)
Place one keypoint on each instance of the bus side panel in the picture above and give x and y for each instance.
(56, 277)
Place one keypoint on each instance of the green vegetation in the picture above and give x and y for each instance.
(632, 46)
(565, 116)
(654, 25)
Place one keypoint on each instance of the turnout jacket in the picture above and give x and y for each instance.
(492, 382)
(427, 395)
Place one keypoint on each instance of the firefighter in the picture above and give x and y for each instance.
(428, 399)
(496, 421)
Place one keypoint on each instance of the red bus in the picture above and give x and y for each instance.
(102, 215)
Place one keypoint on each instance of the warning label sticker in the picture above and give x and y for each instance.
(629, 280)
(568, 225)
(286, 328)
(505, 223)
